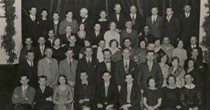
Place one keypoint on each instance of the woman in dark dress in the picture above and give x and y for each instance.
(81, 35)
(190, 94)
(58, 52)
(194, 72)
(152, 95)
(171, 95)
(103, 21)
(141, 51)
(158, 49)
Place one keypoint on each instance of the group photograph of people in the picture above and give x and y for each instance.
(112, 61)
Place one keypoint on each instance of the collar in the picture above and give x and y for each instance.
(29, 62)
(85, 83)
(106, 84)
(49, 60)
(69, 60)
(190, 86)
(128, 60)
(24, 87)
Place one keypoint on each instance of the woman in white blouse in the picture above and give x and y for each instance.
(111, 34)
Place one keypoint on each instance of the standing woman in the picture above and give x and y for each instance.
(190, 94)
(111, 34)
(81, 35)
(63, 95)
(116, 53)
(58, 52)
(162, 59)
(171, 95)
(177, 71)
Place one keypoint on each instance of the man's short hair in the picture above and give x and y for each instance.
(42, 77)
(29, 51)
(106, 50)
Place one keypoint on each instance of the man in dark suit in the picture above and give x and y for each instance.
(155, 23)
(86, 19)
(126, 65)
(43, 26)
(137, 19)
(149, 69)
(188, 25)
(193, 44)
(28, 46)
(68, 67)
(96, 35)
(43, 98)
(130, 95)
(129, 33)
(84, 93)
(118, 17)
(31, 25)
(55, 23)
(106, 65)
(50, 38)
(23, 96)
(40, 49)
(127, 44)
(87, 64)
(28, 67)
(107, 93)
(171, 27)
(64, 37)
(72, 44)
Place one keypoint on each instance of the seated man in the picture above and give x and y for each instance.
(84, 93)
(107, 93)
(43, 98)
(130, 95)
(23, 96)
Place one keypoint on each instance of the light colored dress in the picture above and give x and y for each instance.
(63, 96)
(108, 36)
(181, 54)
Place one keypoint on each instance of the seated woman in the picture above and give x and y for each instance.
(152, 95)
(116, 53)
(190, 94)
(63, 95)
(162, 59)
(58, 51)
(177, 71)
(171, 95)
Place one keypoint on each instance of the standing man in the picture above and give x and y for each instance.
(31, 25)
(86, 19)
(149, 69)
(68, 67)
(188, 25)
(155, 23)
(87, 64)
(171, 27)
(69, 21)
(124, 66)
(48, 66)
(118, 17)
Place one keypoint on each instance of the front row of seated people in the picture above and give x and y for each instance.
(106, 95)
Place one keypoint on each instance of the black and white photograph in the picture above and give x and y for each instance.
(105, 55)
